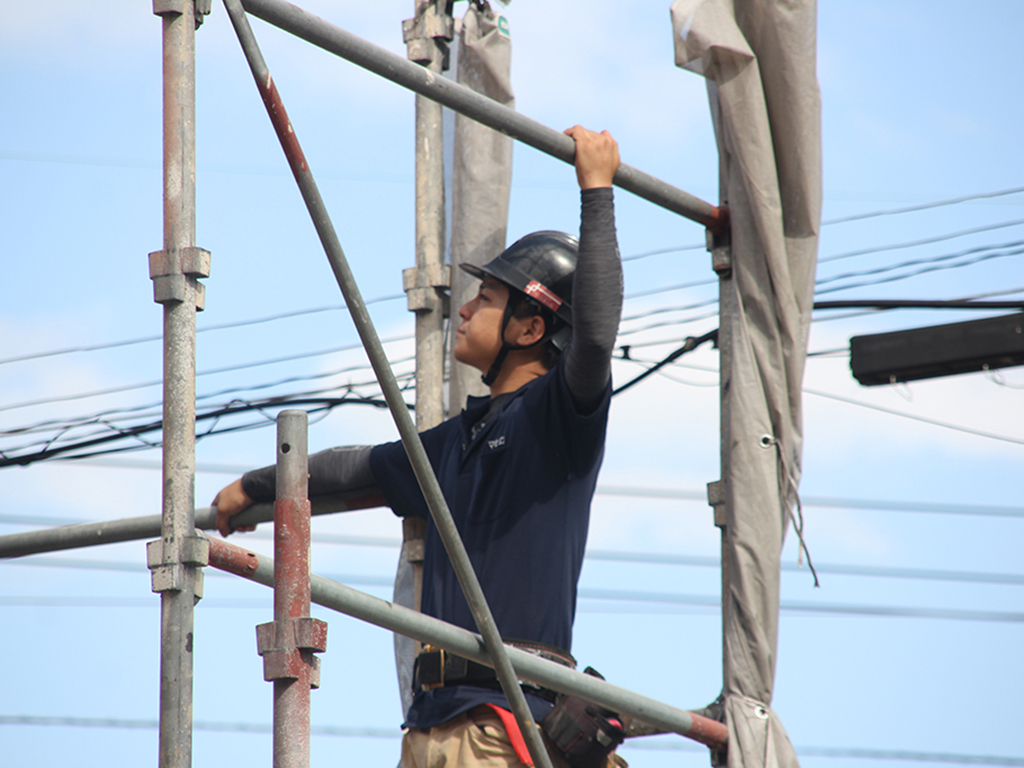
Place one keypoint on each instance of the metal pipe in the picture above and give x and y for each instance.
(439, 511)
(174, 566)
(288, 643)
(351, 602)
(473, 105)
(148, 526)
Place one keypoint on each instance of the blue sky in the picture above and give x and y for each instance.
(921, 103)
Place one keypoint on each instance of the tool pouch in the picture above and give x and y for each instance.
(583, 733)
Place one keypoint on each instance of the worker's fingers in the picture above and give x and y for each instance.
(597, 157)
(231, 500)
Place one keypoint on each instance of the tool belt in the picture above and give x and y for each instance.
(436, 667)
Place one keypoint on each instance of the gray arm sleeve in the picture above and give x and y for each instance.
(335, 470)
(596, 300)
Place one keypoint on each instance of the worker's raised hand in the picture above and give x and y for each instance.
(597, 157)
(231, 500)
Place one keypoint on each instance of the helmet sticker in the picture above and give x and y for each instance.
(539, 292)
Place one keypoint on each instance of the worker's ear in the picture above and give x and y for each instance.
(526, 331)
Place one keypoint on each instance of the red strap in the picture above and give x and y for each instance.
(514, 734)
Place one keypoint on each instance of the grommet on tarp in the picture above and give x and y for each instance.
(761, 713)
(766, 441)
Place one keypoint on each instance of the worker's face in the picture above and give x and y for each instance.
(478, 337)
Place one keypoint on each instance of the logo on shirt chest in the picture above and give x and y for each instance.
(497, 443)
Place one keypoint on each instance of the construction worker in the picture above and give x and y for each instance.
(518, 469)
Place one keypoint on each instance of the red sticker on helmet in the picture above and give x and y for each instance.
(537, 291)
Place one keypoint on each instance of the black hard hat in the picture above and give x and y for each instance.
(541, 265)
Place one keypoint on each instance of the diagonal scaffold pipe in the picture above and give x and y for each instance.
(467, 102)
(339, 597)
(378, 359)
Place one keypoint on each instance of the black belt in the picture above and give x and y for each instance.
(436, 667)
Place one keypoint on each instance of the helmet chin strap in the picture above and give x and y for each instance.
(499, 359)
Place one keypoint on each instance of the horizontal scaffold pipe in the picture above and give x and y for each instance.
(148, 526)
(427, 629)
(467, 102)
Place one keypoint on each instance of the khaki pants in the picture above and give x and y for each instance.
(475, 738)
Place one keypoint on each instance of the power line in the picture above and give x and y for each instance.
(657, 743)
(923, 206)
(584, 593)
(203, 329)
(210, 372)
(323, 404)
(647, 744)
(197, 725)
(923, 241)
(936, 267)
(923, 419)
(598, 555)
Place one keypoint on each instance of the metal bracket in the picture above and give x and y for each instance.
(169, 270)
(288, 646)
(426, 288)
(429, 33)
(168, 563)
(721, 253)
(165, 7)
(716, 498)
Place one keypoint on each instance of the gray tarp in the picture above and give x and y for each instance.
(482, 171)
(759, 60)
(482, 174)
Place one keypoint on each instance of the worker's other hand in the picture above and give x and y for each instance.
(597, 157)
(231, 500)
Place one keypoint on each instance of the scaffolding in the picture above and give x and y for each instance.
(176, 558)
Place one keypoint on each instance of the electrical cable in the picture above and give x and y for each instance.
(157, 407)
(229, 410)
(647, 744)
(1014, 249)
(673, 600)
(689, 345)
(203, 329)
(923, 206)
(923, 419)
(591, 555)
(937, 263)
(923, 241)
(226, 369)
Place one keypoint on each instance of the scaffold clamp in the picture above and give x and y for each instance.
(426, 288)
(167, 560)
(169, 270)
(288, 646)
(718, 243)
(429, 32)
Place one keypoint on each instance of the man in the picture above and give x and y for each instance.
(518, 469)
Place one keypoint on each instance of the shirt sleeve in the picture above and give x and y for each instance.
(596, 300)
(335, 470)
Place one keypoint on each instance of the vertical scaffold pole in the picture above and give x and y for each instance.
(287, 644)
(427, 36)
(720, 492)
(175, 558)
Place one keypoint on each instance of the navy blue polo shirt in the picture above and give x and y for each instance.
(519, 491)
